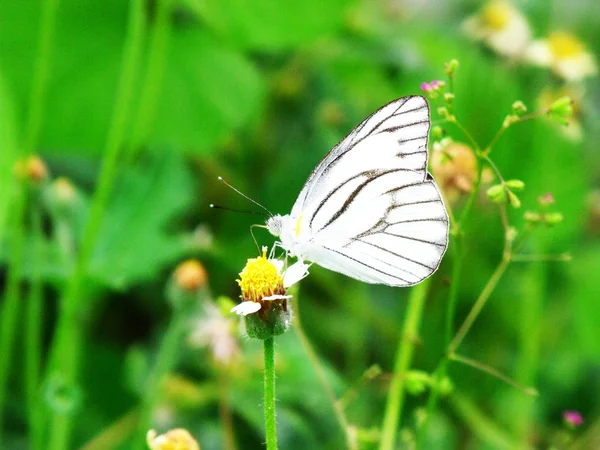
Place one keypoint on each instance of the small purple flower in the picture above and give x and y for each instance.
(572, 419)
(426, 87)
(546, 199)
(435, 84)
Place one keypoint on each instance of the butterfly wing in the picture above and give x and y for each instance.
(370, 210)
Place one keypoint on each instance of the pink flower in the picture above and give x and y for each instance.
(545, 200)
(435, 84)
(426, 87)
(572, 418)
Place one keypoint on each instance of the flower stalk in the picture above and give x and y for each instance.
(269, 393)
(396, 395)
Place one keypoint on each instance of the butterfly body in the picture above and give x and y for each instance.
(370, 209)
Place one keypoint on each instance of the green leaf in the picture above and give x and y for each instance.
(271, 25)
(207, 91)
(135, 243)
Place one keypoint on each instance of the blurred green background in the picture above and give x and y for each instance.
(155, 99)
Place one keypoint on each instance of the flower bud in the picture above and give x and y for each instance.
(517, 185)
(546, 199)
(532, 217)
(509, 120)
(437, 133)
(561, 110)
(445, 386)
(417, 381)
(553, 218)
(33, 169)
(188, 285)
(190, 275)
(497, 193)
(513, 199)
(450, 67)
(176, 439)
(519, 108)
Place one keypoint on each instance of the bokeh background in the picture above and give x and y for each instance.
(155, 99)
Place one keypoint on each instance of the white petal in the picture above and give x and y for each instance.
(576, 68)
(513, 39)
(277, 297)
(278, 263)
(245, 308)
(539, 53)
(295, 273)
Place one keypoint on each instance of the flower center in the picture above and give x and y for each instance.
(260, 278)
(564, 45)
(496, 15)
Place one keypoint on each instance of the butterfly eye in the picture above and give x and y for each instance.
(274, 224)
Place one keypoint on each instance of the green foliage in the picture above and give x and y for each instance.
(257, 92)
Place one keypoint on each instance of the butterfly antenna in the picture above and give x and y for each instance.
(225, 208)
(244, 195)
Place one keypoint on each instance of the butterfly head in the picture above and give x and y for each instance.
(275, 225)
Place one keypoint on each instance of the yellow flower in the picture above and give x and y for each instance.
(176, 439)
(263, 280)
(565, 54)
(260, 278)
(501, 27)
(264, 299)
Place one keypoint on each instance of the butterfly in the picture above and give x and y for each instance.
(370, 210)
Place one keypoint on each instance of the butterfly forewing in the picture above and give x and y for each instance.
(394, 136)
(370, 210)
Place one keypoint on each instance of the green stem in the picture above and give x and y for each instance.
(66, 348)
(225, 416)
(495, 373)
(40, 74)
(314, 361)
(114, 435)
(33, 337)
(395, 399)
(270, 422)
(479, 304)
(442, 370)
(155, 67)
(12, 300)
(165, 360)
(10, 311)
(484, 428)
(527, 363)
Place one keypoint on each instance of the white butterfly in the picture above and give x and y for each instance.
(370, 209)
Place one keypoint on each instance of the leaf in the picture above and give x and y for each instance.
(135, 242)
(271, 25)
(207, 90)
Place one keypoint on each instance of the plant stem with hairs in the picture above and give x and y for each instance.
(269, 394)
